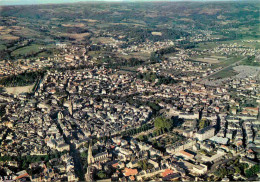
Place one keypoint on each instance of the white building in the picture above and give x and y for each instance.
(205, 133)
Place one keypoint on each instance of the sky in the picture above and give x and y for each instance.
(27, 2)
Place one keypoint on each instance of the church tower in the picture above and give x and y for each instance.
(90, 157)
(71, 108)
(60, 115)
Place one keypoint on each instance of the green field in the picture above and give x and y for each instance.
(206, 45)
(228, 72)
(250, 61)
(2, 47)
(29, 50)
(227, 62)
(243, 42)
(44, 54)
(223, 62)
(32, 49)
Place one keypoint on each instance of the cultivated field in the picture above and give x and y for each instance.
(32, 49)
(210, 60)
(225, 73)
(9, 37)
(74, 25)
(18, 90)
(89, 20)
(137, 55)
(76, 36)
(237, 72)
(104, 40)
(157, 33)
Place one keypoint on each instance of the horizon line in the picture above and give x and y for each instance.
(15, 3)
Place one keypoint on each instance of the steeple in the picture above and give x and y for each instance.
(60, 115)
(90, 157)
(71, 107)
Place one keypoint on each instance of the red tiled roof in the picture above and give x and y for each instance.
(186, 154)
(115, 165)
(167, 172)
(130, 172)
(132, 178)
(239, 143)
(21, 176)
(250, 151)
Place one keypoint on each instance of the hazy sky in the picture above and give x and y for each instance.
(19, 2)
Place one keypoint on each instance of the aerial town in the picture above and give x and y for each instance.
(103, 112)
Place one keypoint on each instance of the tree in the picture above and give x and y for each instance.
(84, 155)
(237, 170)
(101, 174)
(203, 123)
(230, 171)
(155, 107)
(24, 165)
(221, 172)
(162, 123)
(144, 165)
(142, 137)
(243, 166)
(154, 133)
(48, 164)
(46, 158)
(252, 171)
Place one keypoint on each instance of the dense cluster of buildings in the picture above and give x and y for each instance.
(84, 111)
(147, 47)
